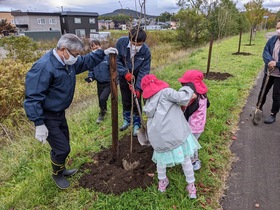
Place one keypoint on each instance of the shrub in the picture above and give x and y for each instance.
(12, 77)
(22, 48)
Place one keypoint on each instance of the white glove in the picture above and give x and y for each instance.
(111, 50)
(41, 133)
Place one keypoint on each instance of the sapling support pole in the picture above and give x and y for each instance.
(209, 54)
(114, 106)
(240, 37)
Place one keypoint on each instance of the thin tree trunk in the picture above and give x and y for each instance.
(240, 36)
(209, 54)
(251, 37)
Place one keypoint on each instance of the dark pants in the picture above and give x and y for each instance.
(58, 137)
(275, 82)
(126, 97)
(103, 91)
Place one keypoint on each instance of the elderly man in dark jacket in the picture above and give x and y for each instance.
(271, 57)
(134, 62)
(49, 90)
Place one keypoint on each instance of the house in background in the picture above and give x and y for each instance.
(4, 15)
(36, 21)
(106, 24)
(80, 23)
(152, 27)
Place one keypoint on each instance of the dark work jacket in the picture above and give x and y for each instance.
(50, 85)
(268, 52)
(142, 61)
(101, 72)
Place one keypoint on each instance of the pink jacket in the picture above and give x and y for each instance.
(198, 119)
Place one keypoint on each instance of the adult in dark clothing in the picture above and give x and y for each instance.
(133, 63)
(49, 90)
(271, 57)
(101, 74)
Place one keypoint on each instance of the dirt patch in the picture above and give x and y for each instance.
(107, 175)
(217, 76)
(242, 53)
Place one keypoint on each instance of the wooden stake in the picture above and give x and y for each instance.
(209, 54)
(114, 106)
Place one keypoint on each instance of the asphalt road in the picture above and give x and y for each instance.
(254, 181)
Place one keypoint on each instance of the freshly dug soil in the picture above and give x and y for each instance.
(107, 175)
(217, 76)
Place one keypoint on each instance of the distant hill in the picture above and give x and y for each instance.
(128, 12)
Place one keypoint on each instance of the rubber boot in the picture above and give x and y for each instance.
(69, 172)
(136, 124)
(58, 176)
(126, 120)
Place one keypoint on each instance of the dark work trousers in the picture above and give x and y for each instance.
(126, 97)
(103, 91)
(275, 82)
(58, 137)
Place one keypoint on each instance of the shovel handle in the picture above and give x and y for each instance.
(131, 87)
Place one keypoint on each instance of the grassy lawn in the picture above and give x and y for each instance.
(25, 181)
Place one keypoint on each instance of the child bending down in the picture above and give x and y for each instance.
(195, 112)
(168, 130)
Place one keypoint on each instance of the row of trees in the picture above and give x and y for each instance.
(199, 20)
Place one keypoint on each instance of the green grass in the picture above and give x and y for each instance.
(25, 181)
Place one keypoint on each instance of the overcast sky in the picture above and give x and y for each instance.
(153, 7)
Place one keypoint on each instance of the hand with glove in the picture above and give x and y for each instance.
(41, 133)
(134, 92)
(129, 77)
(110, 50)
(89, 79)
(137, 93)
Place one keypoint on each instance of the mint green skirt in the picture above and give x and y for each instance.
(177, 155)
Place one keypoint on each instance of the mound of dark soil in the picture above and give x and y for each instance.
(242, 53)
(217, 76)
(107, 175)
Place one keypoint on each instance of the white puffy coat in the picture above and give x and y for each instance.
(167, 126)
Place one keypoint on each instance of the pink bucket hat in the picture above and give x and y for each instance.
(196, 77)
(150, 85)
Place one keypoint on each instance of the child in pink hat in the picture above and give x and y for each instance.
(195, 113)
(168, 130)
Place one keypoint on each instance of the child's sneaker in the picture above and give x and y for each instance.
(162, 184)
(196, 165)
(100, 119)
(191, 190)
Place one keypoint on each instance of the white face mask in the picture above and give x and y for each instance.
(134, 49)
(278, 32)
(137, 48)
(71, 60)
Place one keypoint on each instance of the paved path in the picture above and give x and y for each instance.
(254, 182)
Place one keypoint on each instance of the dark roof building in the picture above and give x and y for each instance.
(80, 23)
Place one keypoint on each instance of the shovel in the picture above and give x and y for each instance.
(142, 134)
(257, 116)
